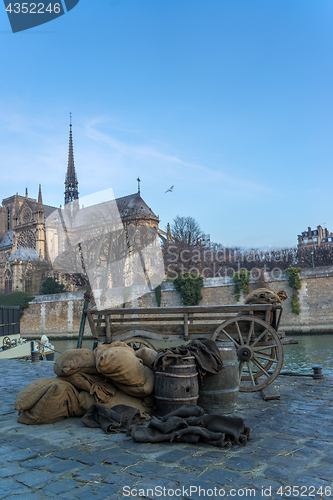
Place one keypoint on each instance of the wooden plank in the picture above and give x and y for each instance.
(172, 319)
(269, 393)
(286, 341)
(108, 328)
(160, 329)
(92, 325)
(244, 308)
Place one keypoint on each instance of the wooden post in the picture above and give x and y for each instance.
(185, 326)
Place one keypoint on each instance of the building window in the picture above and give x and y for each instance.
(306, 242)
(315, 240)
(8, 284)
(8, 219)
(27, 283)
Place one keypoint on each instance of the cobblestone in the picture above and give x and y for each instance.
(291, 445)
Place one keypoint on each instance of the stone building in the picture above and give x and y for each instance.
(24, 257)
(23, 253)
(315, 237)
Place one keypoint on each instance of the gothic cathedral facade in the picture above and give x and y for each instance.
(24, 259)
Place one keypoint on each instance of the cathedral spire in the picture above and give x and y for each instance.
(40, 201)
(71, 183)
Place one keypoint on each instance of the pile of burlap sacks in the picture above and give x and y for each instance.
(113, 374)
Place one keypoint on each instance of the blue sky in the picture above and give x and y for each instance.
(230, 101)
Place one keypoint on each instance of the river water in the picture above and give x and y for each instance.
(311, 350)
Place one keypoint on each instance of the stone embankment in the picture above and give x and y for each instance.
(60, 315)
(289, 454)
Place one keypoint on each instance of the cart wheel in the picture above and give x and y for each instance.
(137, 342)
(258, 349)
(7, 342)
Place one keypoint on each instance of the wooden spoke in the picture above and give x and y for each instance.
(250, 333)
(240, 336)
(265, 350)
(266, 358)
(251, 374)
(259, 365)
(230, 337)
(258, 338)
(240, 369)
(262, 348)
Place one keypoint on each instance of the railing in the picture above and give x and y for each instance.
(9, 320)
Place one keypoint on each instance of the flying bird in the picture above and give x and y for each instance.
(170, 189)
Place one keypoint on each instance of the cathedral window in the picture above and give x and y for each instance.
(27, 239)
(27, 283)
(8, 219)
(8, 284)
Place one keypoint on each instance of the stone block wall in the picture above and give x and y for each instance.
(60, 315)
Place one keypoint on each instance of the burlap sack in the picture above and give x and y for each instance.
(145, 405)
(103, 391)
(144, 390)
(32, 393)
(262, 296)
(99, 350)
(58, 402)
(147, 355)
(99, 385)
(86, 400)
(73, 361)
(122, 366)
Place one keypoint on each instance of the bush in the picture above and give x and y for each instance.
(294, 303)
(295, 282)
(21, 299)
(294, 279)
(189, 286)
(241, 281)
(50, 286)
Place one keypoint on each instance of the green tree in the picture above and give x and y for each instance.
(21, 299)
(50, 286)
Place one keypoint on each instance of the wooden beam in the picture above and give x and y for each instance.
(185, 326)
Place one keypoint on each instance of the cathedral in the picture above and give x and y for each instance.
(24, 256)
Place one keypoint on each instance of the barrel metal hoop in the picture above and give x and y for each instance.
(173, 375)
(175, 367)
(221, 391)
(176, 399)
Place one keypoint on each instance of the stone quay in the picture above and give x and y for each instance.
(290, 454)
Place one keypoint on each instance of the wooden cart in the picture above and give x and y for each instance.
(251, 328)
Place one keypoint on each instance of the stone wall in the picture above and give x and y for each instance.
(60, 315)
(57, 315)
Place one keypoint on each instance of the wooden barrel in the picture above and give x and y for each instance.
(176, 385)
(219, 391)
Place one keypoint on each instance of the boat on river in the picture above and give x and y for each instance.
(13, 346)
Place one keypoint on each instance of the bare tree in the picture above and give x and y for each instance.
(186, 230)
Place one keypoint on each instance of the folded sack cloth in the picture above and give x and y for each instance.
(117, 419)
(190, 424)
(97, 385)
(207, 356)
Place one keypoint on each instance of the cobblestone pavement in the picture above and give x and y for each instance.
(291, 446)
